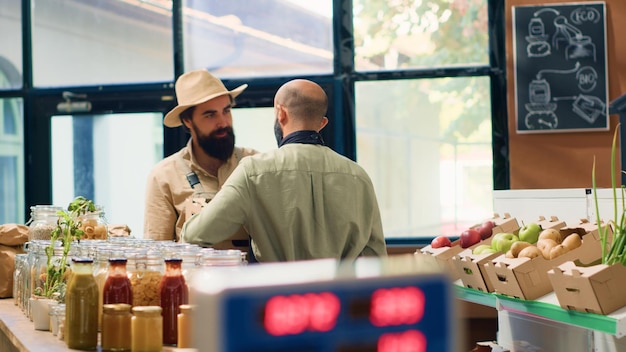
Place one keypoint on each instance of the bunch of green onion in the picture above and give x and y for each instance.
(613, 242)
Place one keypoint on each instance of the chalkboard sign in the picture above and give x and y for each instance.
(560, 67)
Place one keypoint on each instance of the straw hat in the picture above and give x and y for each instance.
(194, 88)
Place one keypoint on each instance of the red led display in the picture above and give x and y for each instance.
(396, 306)
(294, 314)
(407, 341)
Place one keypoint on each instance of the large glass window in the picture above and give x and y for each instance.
(427, 146)
(403, 34)
(423, 136)
(106, 158)
(78, 42)
(254, 128)
(245, 39)
(11, 161)
(11, 48)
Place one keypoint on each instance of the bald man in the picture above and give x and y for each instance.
(301, 201)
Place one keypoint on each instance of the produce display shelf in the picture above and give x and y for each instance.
(475, 296)
(547, 307)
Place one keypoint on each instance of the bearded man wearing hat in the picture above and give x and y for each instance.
(180, 184)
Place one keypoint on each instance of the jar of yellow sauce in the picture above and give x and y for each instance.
(147, 329)
(116, 327)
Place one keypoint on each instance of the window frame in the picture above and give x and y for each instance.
(40, 104)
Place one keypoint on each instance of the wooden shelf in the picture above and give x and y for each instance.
(17, 333)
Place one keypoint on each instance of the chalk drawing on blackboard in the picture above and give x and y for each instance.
(560, 67)
(538, 45)
(540, 107)
(588, 107)
(577, 44)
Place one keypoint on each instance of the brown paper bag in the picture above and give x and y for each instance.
(12, 239)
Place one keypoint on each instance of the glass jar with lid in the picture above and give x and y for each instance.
(146, 329)
(81, 307)
(190, 254)
(116, 327)
(221, 258)
(57, 314)
(43, 220)
(117, 287)
(100, 270)
(145, 270)
(173, 292)
(42, 285)
(94, 225)
(18, 282)
(184, 326)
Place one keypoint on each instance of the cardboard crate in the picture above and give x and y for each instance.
(595, 289)
(470, 268)
(552, 223)
(444, 256)
(527, 278)
(588, 286)
(505, 223)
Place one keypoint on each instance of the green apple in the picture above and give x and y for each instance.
(481, 248)
(502, 241)
(530, 232)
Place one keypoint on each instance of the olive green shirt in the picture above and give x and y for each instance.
(298, 202)
(167, 190)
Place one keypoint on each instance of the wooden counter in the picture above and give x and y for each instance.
(17, 333)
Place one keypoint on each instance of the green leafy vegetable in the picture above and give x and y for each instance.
(613, 242)
(67, 231)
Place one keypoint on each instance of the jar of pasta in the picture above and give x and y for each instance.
(94, 225)
(145, 270)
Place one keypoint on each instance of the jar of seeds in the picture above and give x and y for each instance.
(43, 219)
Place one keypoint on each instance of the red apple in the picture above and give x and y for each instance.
(469, 238)
(440, 241)
(486, 229)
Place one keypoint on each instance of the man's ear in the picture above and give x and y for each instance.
(282, 115)
(184, 124)
(323, 123)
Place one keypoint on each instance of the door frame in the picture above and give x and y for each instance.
(42, 106)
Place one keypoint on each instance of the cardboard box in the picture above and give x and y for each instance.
(444, 256)
(504, 224)
(471, 270)
(470, 267)
(552, 223)
(527, 278)
(595, 289)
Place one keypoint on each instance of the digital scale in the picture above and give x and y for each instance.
(398, 304)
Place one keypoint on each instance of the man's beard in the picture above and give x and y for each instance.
(278, 132)
(220, 148)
